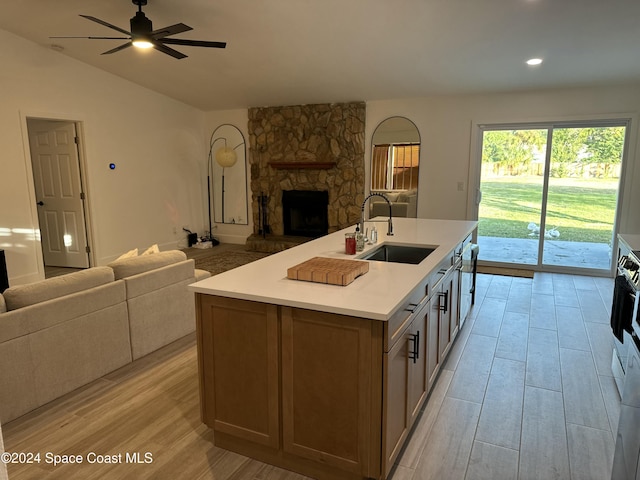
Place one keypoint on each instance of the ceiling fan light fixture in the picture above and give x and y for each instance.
(142, 43)
(142, 35)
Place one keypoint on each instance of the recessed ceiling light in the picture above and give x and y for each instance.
(534, 61)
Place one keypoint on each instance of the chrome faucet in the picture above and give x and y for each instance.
(390, 223)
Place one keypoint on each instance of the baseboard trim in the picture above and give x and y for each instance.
(509, 272)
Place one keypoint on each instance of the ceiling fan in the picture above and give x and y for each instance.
(142, 35)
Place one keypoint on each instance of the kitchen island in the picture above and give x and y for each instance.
(322, 379)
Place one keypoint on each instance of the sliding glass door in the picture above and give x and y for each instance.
(549, 195)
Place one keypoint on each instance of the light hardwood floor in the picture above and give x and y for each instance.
(526, 393)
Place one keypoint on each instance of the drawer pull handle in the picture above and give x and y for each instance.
(412, 307)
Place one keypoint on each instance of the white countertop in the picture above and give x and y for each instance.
(375, 295)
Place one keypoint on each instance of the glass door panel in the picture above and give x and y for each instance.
(582, 196)
(512, 185)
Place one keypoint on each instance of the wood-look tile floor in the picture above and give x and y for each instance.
(526, 393)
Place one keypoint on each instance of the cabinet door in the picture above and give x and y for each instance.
(444, 314)
(327, 379)
(418, 381)
(433, 342)
(455, 306)
(396, 415)
(238, 356)
(405, 373)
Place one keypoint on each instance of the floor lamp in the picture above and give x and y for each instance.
(226, 157)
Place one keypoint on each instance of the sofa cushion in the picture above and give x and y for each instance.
(3, 304)
(129, 254)
(134, 266)
(151, 250)
(24, 295)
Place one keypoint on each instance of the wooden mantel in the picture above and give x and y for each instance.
(297, 165)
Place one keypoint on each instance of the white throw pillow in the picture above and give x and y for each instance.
(152, 249)
(129, 254)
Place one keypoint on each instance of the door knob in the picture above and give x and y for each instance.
(41, 203)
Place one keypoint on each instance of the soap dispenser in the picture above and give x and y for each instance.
(359, 239)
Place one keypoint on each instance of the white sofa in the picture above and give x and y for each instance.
(160, 308)
(64, 332)
(403, 204)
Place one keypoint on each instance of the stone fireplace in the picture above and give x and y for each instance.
(313, 148)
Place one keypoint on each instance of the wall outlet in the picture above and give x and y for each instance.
(461, 186)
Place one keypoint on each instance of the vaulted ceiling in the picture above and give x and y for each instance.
(282, 52)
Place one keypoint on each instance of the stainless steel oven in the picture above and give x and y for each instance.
(627, 453)
(625, 323)
(623, 310)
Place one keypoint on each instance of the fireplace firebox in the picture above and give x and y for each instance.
(305, 213)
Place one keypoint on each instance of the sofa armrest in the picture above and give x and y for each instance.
(201, 274)
(412, 210)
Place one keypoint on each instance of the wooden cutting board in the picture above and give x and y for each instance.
(334, 271)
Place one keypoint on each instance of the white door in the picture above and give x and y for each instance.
(56, 175)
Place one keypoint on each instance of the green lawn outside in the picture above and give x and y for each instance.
(582, 210)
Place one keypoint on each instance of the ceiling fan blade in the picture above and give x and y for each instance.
(102, 22)
(169, 51)
(98, 38)
(193, 43)
(171, 30)
(117, 49)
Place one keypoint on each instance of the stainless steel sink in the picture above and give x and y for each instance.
(399, 254)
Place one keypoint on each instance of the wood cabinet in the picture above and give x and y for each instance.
(292, 387)
(446, 296)
(330, 396)
(454, 326)
(417, 360)
(239, 368)
(433, 340)
(442, 323)
(328, 378)
(406, 384)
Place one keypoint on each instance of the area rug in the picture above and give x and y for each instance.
(223, 261)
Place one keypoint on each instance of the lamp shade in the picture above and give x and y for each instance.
(226, 157)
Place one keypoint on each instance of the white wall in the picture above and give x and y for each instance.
(155, 142)
(228, 233)
(160, 147)
(446, 127)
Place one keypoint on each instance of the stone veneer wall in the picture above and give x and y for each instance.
(304, 140)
